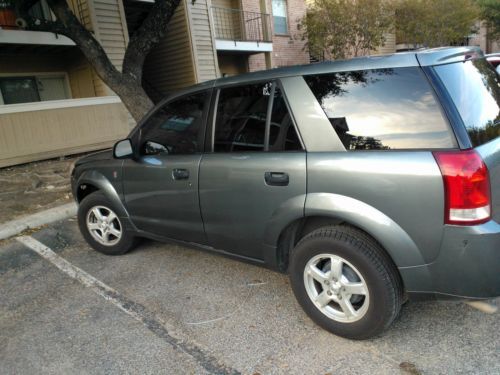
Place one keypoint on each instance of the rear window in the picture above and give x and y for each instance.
(475, 89)
(382, 109)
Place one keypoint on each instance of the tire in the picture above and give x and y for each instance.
(360, 297)
(107, 236)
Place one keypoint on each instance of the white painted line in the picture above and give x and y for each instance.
(11, 228)
(131, 308)
(72, 271)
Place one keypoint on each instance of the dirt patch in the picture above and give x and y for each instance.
(29, 188)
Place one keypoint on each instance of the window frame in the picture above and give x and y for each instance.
(287, 32)
(138, 133)
(210, 133)
(37, 75)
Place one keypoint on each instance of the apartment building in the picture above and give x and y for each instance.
(52, 102)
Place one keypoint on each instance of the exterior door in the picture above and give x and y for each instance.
(161, 185)
(257, 166)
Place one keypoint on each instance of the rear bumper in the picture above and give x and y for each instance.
(468, 265)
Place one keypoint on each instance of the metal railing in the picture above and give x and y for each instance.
(239, 25)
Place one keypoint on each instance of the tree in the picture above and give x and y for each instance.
(339, 29)
(490, 13)
(433, 23)
(127, 84)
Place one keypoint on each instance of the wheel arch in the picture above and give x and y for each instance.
(322, 209)
(91, 181)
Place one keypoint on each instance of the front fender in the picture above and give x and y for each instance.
(97, 179)
(388, 233)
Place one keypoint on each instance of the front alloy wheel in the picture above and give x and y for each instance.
(104, 225)
(102, 228)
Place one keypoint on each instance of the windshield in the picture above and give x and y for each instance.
(474, 87)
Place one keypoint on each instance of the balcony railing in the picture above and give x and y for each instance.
(238, 25)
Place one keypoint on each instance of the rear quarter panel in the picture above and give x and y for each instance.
(405, 186)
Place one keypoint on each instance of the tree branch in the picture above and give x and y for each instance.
(147, 36)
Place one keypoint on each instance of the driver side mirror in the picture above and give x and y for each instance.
(123, 149)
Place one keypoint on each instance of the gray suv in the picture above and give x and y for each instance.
(369, 181)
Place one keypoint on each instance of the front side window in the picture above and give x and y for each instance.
(280, 17)
(382, 109)
(242, 117)
(175, 128)
(474, 87)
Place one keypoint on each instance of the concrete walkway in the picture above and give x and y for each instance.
(11, 228)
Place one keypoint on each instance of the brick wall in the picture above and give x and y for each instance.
(287, 49)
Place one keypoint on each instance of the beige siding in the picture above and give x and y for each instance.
(110, 28)
(389, 46)
(170, 65)
(34, 135)
(80, 80)
(205, 56)
(81, 9)
(112, 31)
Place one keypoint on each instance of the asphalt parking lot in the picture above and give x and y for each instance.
(173, 310)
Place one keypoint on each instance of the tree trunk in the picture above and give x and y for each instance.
(134, 98)
(128, 83)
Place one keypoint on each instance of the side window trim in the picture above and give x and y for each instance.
(267, 129)
(448, 108)
(292, 115)
(206, 108)
(212, 117)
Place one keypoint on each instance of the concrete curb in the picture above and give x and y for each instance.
(11, 228)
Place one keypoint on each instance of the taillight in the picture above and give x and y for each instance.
(466, 185)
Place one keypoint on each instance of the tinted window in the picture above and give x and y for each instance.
(241, 120)
(175, 128)
(382, 109)
(475, 89)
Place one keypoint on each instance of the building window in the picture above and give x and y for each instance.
(29, 89)
(280, 17)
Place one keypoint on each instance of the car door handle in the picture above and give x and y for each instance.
(180, 174)
(276, 178)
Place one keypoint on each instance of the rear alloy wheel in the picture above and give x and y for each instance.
(101, 226)
(346, 282)
(336, 287)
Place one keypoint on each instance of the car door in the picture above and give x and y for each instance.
(161, 183)
(257, 167)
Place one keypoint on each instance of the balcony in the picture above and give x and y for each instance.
(238, 30)
(14, 31)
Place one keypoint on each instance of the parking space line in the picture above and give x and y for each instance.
(133, 309)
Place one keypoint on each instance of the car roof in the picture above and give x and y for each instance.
(421, 57)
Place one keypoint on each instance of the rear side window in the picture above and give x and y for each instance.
(242, 117)
(475, 90)
(382, 109)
